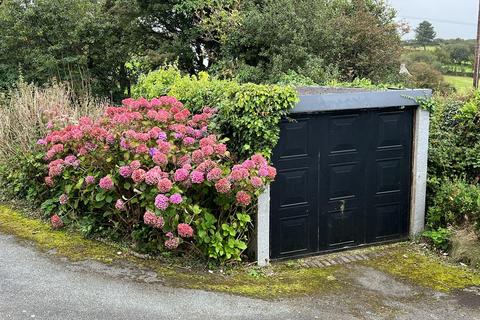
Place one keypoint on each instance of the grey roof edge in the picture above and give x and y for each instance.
(359, 100)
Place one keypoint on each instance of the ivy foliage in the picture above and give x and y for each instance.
(249, 114)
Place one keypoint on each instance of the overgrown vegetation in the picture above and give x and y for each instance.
(248, 114)
(151, 172)
(454, 168)
(26, 114)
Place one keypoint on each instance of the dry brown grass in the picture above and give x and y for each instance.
(26, 110)
(466, 247)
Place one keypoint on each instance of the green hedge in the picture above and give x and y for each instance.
(248, 114)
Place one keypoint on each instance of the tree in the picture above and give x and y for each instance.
(313, 38)
(425, 76)
(460, 53)
(188, 32)
(85, 42)
(425, 34)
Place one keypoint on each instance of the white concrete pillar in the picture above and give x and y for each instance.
(263, 228)
(419, 168)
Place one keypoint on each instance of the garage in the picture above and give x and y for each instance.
(351, 171)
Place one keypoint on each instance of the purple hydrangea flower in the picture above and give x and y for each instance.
(162, 136)
(176, 198)
(161, 202)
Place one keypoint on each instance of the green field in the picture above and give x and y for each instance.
(462, 84)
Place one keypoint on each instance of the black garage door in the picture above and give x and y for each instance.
(343, 181)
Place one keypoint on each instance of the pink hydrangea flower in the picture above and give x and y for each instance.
(135, 164)
(197, 156)
(248, 164)
(49, 181)
(149, 218)
(63, 199)
(183, 160)
(125, 171)
(71, 160)
(138, 175)
(56, 221)
(185, 230)
(176, 198)
(256, 182)
(106, 183)
(120, 205)
(164, 146)
(263, 171)
(181, 175)
(172, 243)
(259, 160)
(188, 141)
(272, 172)
(141, 149)
(243, 198)
(207, 151)
(162, 136)
(197, 177)
(160, 159)
(238, 173)
(164, 185)
(220, 149)
(161, 201)
(223, 185)
(90, 180)
(214, 174)
(153, 176)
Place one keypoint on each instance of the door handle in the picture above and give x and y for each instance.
(342, 206)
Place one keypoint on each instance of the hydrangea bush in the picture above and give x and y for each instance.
(151, 172)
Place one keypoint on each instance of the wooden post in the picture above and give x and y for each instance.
(477, 54)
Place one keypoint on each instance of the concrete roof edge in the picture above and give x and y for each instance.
(359, 100)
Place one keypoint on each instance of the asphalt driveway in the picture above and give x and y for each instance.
(35, 285)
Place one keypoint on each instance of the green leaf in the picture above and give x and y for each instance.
(100, 197)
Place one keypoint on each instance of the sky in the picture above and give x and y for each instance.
(450, 18)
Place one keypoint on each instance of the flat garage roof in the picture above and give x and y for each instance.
(315, 99)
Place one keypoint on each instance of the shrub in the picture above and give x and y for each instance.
(249, 114)
(454, 203)
(151, 172)
(426, 76)
(454, 162)
(454, 149)
(439, 238)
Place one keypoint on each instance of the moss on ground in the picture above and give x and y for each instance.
(280, 280)
(426, 270)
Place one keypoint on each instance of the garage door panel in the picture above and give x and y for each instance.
(341, 228)
(295, 190)
(295, 139)
(388, 175)
(297, 226)
(390, 124)
(387, 221)
(343, 180)
(340, 130)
